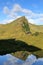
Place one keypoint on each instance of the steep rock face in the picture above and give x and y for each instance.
(25, 26)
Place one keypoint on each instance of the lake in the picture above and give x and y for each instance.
(8, 59)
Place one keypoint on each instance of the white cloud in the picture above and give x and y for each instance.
(11, 60)
(30, 60)
(26, 11)
(7, 21)
(32, 21)
(38, 21)
(6, 10)
(13, 13)
(16, 8)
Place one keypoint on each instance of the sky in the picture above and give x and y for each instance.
(13, 9)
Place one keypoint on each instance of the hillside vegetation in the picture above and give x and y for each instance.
(21, 29)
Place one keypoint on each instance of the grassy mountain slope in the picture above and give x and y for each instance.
(28, 33)
(21, 29)
(36, 28)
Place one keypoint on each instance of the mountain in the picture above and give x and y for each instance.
(14, 29)
(21, 29)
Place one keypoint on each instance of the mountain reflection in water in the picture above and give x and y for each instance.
(11, 60)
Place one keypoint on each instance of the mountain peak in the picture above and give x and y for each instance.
(23, 17)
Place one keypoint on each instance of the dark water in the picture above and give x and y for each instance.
(11, 60)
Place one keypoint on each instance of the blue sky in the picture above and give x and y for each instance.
(12, 9)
